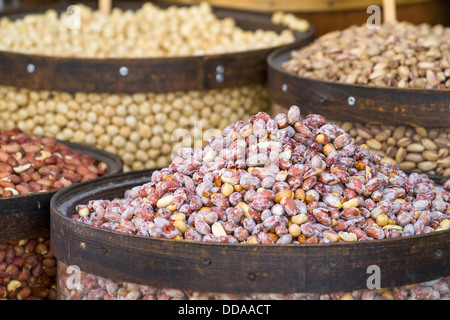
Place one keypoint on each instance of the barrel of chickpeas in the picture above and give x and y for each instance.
(124, 81)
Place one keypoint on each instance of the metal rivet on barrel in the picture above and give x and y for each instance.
(30, 68)
(123, 71)
(438, 253)
(332, 264)
(206, 261)
(284, 87)
(103, 249)
(323, 99)
(351, 100)
(251, 276)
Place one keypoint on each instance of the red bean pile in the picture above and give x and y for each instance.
(277, 180)
(274, 181)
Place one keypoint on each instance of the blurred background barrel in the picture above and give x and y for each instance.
(328, 15)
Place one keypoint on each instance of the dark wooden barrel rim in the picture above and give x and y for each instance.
(356, 103)
(28, 216)
(231, 267)
(169, 74)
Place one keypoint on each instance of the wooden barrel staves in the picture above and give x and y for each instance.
(221, 267)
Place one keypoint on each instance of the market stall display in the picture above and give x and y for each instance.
(32, 170)
(289, 192)
(387, 87)
(124, 82)
(328, 15)
(260, 162)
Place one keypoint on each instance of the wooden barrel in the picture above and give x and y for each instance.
(158, 95)
(231, 268)
(421, 114)
(301, 6)
(28, 262)
(332, 15)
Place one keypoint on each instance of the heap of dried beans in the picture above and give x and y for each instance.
(277, 180)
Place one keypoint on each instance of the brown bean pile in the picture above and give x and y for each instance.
(277, 180)
(401, 55)
(149, 31)
(27, 270)
(136, 127)
(30, 164)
